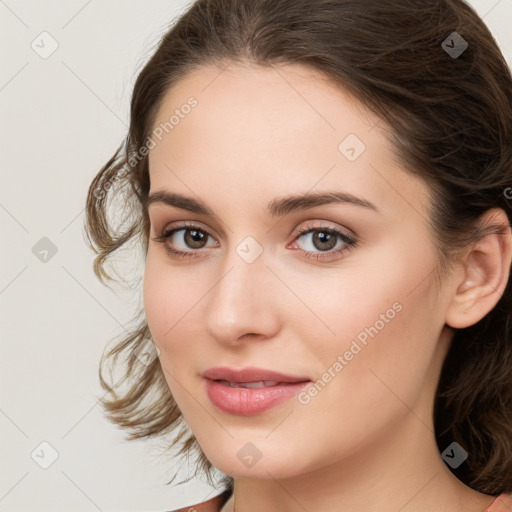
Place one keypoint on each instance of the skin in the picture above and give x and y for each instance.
(366, 440)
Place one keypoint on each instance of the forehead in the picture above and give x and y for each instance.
(285, 128)
(275, 100)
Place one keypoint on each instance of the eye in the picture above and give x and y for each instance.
(329, 241)
(188, 235)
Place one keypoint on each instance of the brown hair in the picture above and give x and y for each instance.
(451, 124)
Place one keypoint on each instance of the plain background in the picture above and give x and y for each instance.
(61, 118)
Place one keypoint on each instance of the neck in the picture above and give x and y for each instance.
(403, 471)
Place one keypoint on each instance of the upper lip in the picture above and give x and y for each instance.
(250, 374)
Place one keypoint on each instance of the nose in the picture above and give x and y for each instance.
(243, 302)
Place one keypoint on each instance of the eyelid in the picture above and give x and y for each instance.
(183, 224)
(349, 241)
(304, 229)
(322, 224)
(160, 213)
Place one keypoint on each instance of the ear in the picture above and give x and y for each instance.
(485, 270)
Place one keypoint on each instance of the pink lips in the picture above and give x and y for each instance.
(243, 401)
(249, 374)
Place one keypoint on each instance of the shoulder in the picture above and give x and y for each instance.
(211, 505)
(502, 503)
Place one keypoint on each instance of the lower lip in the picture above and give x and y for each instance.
(246, 401)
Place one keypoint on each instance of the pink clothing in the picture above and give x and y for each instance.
(502, 503)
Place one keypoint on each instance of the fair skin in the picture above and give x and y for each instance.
(366, 441)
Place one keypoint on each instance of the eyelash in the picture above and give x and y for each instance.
(348, 240)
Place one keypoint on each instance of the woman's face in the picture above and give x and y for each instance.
(364, 322)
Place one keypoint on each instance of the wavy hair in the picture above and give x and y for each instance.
(451, 124)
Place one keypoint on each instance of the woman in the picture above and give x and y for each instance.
(320, 192)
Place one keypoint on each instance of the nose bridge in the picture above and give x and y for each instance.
(241, 301)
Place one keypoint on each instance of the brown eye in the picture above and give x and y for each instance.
(195, 238)
(185, 241)
(323, 242)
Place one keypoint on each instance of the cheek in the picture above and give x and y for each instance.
(167, 305)
(155, 299)
(383, 343)
(164, 299)
(382, 370)
(173, 302)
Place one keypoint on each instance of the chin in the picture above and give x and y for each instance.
(244, 460)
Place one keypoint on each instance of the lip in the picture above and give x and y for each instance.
(250, 401)
(250, 374)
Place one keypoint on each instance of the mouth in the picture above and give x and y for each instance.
(255, 385)
(251, 397)
(260, 377)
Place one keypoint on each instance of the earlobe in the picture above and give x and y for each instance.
(486, 270)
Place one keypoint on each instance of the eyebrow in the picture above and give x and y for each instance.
(275, 208)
